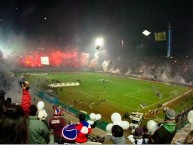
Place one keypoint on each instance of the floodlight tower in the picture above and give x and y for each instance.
(169, 51)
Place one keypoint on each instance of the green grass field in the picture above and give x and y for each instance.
(106, 94)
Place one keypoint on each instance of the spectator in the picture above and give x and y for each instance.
(56, 124)
(26, 98)
(166, 131)
(9, 100)
(117, 136)
(57, 110)
(83, 128)
(13, 125)
(137, 137)
(146, 133)
(38, 131)
(2, 97)
(189, 138)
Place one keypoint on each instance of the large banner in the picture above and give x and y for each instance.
(45, 60)
(49, 98)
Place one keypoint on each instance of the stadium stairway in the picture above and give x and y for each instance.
(181, 134)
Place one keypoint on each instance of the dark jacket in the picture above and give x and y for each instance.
(57, 124)
(38, 131)
(164, 135)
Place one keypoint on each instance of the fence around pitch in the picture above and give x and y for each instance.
(54, 100)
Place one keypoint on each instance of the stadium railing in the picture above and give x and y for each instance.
(54, 100)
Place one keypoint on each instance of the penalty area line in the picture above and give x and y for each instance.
(120, 105)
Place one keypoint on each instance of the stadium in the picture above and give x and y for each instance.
(98, 66)
(81, 85)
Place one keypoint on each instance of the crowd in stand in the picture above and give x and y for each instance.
(26, 124)
(178, 70)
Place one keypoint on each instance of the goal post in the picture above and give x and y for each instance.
(157, 92)
(174, 93)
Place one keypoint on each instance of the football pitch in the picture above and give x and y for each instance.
(106, 94)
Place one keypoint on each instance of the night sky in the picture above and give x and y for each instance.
(60, 23)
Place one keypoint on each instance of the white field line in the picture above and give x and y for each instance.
(139, 93)
(177, 98)
(120, 105)
(130, 96)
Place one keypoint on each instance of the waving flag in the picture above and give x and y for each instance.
(160, 36)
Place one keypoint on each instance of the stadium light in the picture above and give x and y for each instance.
(146, 33)
(99, 41)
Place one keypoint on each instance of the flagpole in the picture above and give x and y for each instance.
(169, 49)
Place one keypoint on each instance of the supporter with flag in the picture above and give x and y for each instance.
(83, 128)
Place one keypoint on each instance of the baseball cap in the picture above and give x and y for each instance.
(170, 114)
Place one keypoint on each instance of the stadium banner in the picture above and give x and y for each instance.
(48, 97)
(45, 60)
(160, 36)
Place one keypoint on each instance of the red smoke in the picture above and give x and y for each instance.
(71, 58)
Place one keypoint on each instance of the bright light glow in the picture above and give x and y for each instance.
(146, 33)
(5, 50)
(99, 42)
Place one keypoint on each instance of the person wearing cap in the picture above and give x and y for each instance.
(166, 131)
(137, 137)
(56, 124)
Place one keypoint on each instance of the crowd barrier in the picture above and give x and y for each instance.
(73, 111)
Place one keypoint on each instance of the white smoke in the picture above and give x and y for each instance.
(163, 73)
(84, 59)
(128, 72)
(115, 71)
(6, 51)
(164, 76)
(96, 55)
(178, 78)
(105, 65)
(94, 61)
